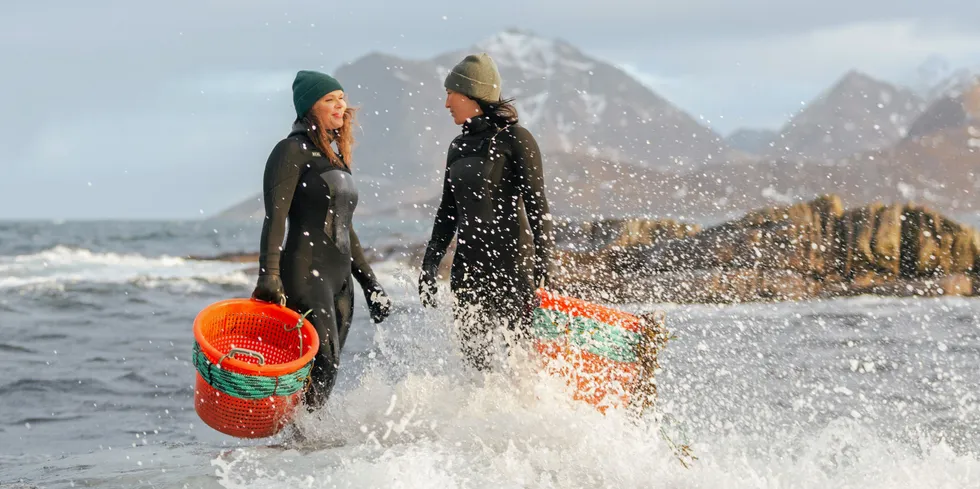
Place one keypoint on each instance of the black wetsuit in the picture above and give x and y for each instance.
(494, 201)
(320, 253)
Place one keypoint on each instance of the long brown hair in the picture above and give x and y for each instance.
(323, 137)
(501, 112)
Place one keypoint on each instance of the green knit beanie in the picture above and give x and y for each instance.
(310, 86)
(476, 77)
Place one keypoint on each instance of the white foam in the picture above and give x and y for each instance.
(433, 426)
(435, 432)
(64, 265)
(438, 431)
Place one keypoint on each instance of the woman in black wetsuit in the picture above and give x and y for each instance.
(309, 184)
(494, 201)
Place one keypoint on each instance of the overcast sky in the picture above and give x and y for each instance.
(137, 109)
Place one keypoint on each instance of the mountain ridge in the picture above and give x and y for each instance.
(590, 115)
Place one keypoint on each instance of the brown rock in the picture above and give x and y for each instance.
(956, 285)
(933, 245)
(641, 232)
(784, 238)
(622, 232)
(786, 253)
(869, 242)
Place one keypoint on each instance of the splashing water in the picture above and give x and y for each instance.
(742, 385)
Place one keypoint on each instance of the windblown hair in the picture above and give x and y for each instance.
(501, 112)
(323, 137)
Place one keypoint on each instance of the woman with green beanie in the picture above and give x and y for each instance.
(309, 184)
(494, 202)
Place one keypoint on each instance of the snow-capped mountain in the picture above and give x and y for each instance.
(857, 113)
(571, 102)
(575, 103)
(937, 77)
(613, 147)
(957, 109)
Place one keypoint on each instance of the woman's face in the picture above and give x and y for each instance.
(461, 107)
(329, 110)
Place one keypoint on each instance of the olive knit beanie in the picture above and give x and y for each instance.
(476, 77)
(310, 86)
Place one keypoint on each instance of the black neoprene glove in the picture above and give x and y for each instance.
(269, 288)
(377, 301)
(427, 288)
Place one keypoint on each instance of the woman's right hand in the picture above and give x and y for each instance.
(427, 289)
(269, 289)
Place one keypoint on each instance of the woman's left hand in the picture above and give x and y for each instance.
(378, 302)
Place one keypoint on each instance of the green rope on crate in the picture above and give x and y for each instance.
(605, 340)
(249, 386)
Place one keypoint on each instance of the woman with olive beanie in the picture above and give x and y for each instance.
(310, 184)
(494, 202)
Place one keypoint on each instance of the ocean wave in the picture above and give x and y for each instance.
(78, 386)
(62, 265)
(37, 420)
(8, 348)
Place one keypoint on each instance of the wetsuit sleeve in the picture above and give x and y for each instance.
(530, 172)
(282, 171)
(359, 263)
(443, 229)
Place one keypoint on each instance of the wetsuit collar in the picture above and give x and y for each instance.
(477, 124)
(301, 127)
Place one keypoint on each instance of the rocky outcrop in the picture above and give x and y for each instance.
(806, 250)
(620, 232)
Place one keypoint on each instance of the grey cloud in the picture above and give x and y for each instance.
(236, 32)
